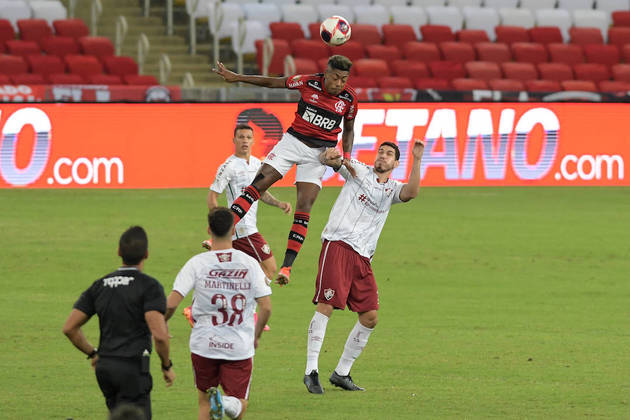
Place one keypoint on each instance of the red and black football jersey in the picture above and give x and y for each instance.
(319, 114)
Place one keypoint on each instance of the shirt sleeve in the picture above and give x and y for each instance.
(260, 282)
(224, 175)
(154, 298)
(397, 189)
(351, 113)
(85, 303)
(295, 82)
(185, 280)
(360, 168)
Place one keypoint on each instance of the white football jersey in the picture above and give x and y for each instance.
(234, 176)
(226, 284)
(361, 209)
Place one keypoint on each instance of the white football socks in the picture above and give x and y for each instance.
(316, 333)
(357, 340)
(232, 406)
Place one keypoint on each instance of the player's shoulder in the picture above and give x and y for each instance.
(348, 94)
(303, 80)
(242, 257)
(253, 160)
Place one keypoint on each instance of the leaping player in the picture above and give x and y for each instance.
(326, 100)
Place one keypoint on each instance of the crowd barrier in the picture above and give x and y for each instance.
(181, 145)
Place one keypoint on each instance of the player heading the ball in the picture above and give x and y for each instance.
(326, 100)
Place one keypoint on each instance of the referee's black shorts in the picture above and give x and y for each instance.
(122, 381)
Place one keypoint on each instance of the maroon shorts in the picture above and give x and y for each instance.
(253, 245)
(345, 278)
(234, 376)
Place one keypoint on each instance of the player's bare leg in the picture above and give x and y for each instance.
(306, 195)
(265, 178)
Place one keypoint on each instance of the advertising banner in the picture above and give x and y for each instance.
(182, 145)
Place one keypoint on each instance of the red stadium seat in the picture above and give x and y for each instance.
(305, 66)
(432, 83)
(74, 28)
(6, 31)
(308, 48)
(584, 36)
(621, 72)
(60, 46)
(140, 80)
(437, 33)
(511, 34)
(371, 67)
(618, 36)
(555, 71)
(472, 36)
(120, 65)
(421, 51)
(4, 79)
(625, 53)
(83, 65)
(411, 69)
(459, 52)
(483, 70)
(66, 79)
(28, 79)
(603, 54)
(621, 18)
(519, 71)
(529, 52)
(566, 53)
(2, 48)
(34, 30)
(22, 48)
(579, 85)
(506, 85)
(388, 53)
(45, 64)
(543, 86)
(280, 50)
(493, 51)
(352, 49)
(448, 70)
(313, 29)
(98, 46)
(362, 82)
(469, 84)
(614, 86)
(545, 34)
(322, 63)
(104, 79)
(591, 71)
(398, 35)
(394, 82)
(12, 64)
(366, 34)
(286, 30)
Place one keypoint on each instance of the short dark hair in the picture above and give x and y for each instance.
(127, 412)
(340, 62)
(220, 221)
(242, 127)
(393, 146)
(133, 245)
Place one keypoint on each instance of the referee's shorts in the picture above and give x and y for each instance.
(122, 381)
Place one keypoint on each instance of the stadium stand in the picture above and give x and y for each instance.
(506, 85)
(410, 15)
(483, 70)
(446, 15)
(302, 14)
(472, 36)
(34, 30)
(437, 33)
(74, 28)
(584, 36)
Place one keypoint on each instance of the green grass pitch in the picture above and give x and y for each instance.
(495, 303)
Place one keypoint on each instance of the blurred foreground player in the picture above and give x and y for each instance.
(130, 306)
(228, 285)
(325, 101)
(345, 277)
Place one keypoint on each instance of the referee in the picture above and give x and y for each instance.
(130, 306)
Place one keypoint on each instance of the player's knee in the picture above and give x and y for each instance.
(305, 202)
(369, 319)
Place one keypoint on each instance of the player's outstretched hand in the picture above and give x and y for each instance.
(169, 376)
(228, 76)
(418, 149)
(349, 167)
(330, 157)
(285, 206)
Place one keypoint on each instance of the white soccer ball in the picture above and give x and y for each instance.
(335, 30)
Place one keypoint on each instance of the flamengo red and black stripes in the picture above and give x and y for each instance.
(241, 205)
(298, 231)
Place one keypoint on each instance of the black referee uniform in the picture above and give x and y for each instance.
(120, 299)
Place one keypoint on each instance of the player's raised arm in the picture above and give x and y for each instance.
(264, 81)
(347, 140)
(411, 189)
(331, 157)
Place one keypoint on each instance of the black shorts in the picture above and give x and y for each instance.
(122, 381)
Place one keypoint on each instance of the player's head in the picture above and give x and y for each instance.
(220, 223)
(336, 74)
(243, 140)
(387, 157)
(133, 246)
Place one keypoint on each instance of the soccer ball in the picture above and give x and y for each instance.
(335, 30)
